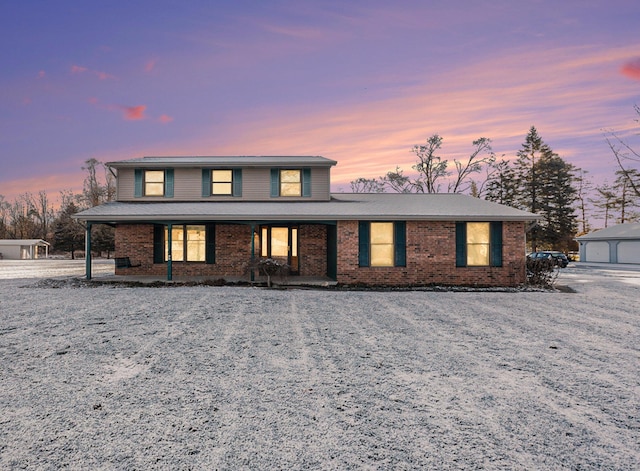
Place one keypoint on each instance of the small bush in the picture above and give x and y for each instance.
(541, 272)
(270, 267)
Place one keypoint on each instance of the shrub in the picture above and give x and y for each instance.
(270, 267)
(541, 272)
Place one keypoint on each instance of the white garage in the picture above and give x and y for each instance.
(23, 249)
(617, 244)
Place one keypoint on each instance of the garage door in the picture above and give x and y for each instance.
(597, 251)
(629, 251)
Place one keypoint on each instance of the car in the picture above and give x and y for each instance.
(558, 258)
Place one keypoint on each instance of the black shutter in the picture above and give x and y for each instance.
(363, 243)
(210, 250)
(461, 244)
(158, 243)
(400, 241)
(496, 244)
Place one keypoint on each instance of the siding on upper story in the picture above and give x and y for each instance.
(256, 185)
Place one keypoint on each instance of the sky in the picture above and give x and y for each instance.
(360, 82)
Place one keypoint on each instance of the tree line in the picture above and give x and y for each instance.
(537, 180)
(36, 216)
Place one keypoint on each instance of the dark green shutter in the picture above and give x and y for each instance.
(237, 182)
(210, 250)
(496, 244)
(400, 241)
(461, 244)
(363, 243)
(206, 182)
(158, 243)
(306, 182)
(137, 184)
(168, 183)
(275, 182)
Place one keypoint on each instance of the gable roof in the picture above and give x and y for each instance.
(342, 206)
(227, 161)
(38, 242)
(620, 231)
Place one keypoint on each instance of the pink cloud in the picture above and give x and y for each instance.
(134, 113)
(77, 69)
(42, 74)
(150, 65)
(631, 69)
(165, 119)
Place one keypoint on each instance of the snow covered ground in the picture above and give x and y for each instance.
(253, 378)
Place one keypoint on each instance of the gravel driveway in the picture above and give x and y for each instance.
(254, 378)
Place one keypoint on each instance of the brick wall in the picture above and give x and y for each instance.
(431, 255)
(233, 252)
(431, 258)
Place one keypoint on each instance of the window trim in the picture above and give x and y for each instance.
(140, 182)
(207, 182)
(160, 243)
(305, 182)
(496, 244)
(399, 244)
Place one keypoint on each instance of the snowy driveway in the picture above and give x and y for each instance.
(251, 378)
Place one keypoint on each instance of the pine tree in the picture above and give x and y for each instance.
(545, 186)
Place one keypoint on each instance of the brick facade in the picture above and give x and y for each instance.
(430, 247)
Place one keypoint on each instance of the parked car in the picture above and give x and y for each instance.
(558, 258)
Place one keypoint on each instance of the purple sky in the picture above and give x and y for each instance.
(359, 82)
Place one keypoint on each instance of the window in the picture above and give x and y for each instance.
(382, 244)
(479, 244)
(290, 183)
(154, 182)
(221, 182)
(188, 243)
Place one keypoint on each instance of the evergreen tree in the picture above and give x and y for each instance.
(545, 186)
(68, 232)
(502, 185)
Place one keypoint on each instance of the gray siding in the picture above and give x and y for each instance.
(255, 186)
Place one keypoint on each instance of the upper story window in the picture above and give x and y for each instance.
(154, 182)
(290, 182)
(479, 244)
(222, 182)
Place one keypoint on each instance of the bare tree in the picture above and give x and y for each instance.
(626, 157)
(473, 165)
(430, 167)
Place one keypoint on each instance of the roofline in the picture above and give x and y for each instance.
(251, 161)
(293, 217)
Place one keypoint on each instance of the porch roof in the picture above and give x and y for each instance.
(342, 206)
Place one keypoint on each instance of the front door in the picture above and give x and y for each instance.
(281, 243)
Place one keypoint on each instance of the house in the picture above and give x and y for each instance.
(211, 216)
(23, 249)
(616, 244)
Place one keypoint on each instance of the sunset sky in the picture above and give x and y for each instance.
(359, 81)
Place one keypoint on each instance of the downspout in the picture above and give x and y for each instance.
(87, 250)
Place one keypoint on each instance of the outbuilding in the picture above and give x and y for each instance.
(23, 249)
(616, 244)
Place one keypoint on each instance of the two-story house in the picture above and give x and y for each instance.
(211, 216)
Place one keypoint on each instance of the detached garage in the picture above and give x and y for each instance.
(617, 244)
(23, 249)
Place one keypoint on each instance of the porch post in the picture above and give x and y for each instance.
(253, 250)
(170, 243)
(87, 250)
